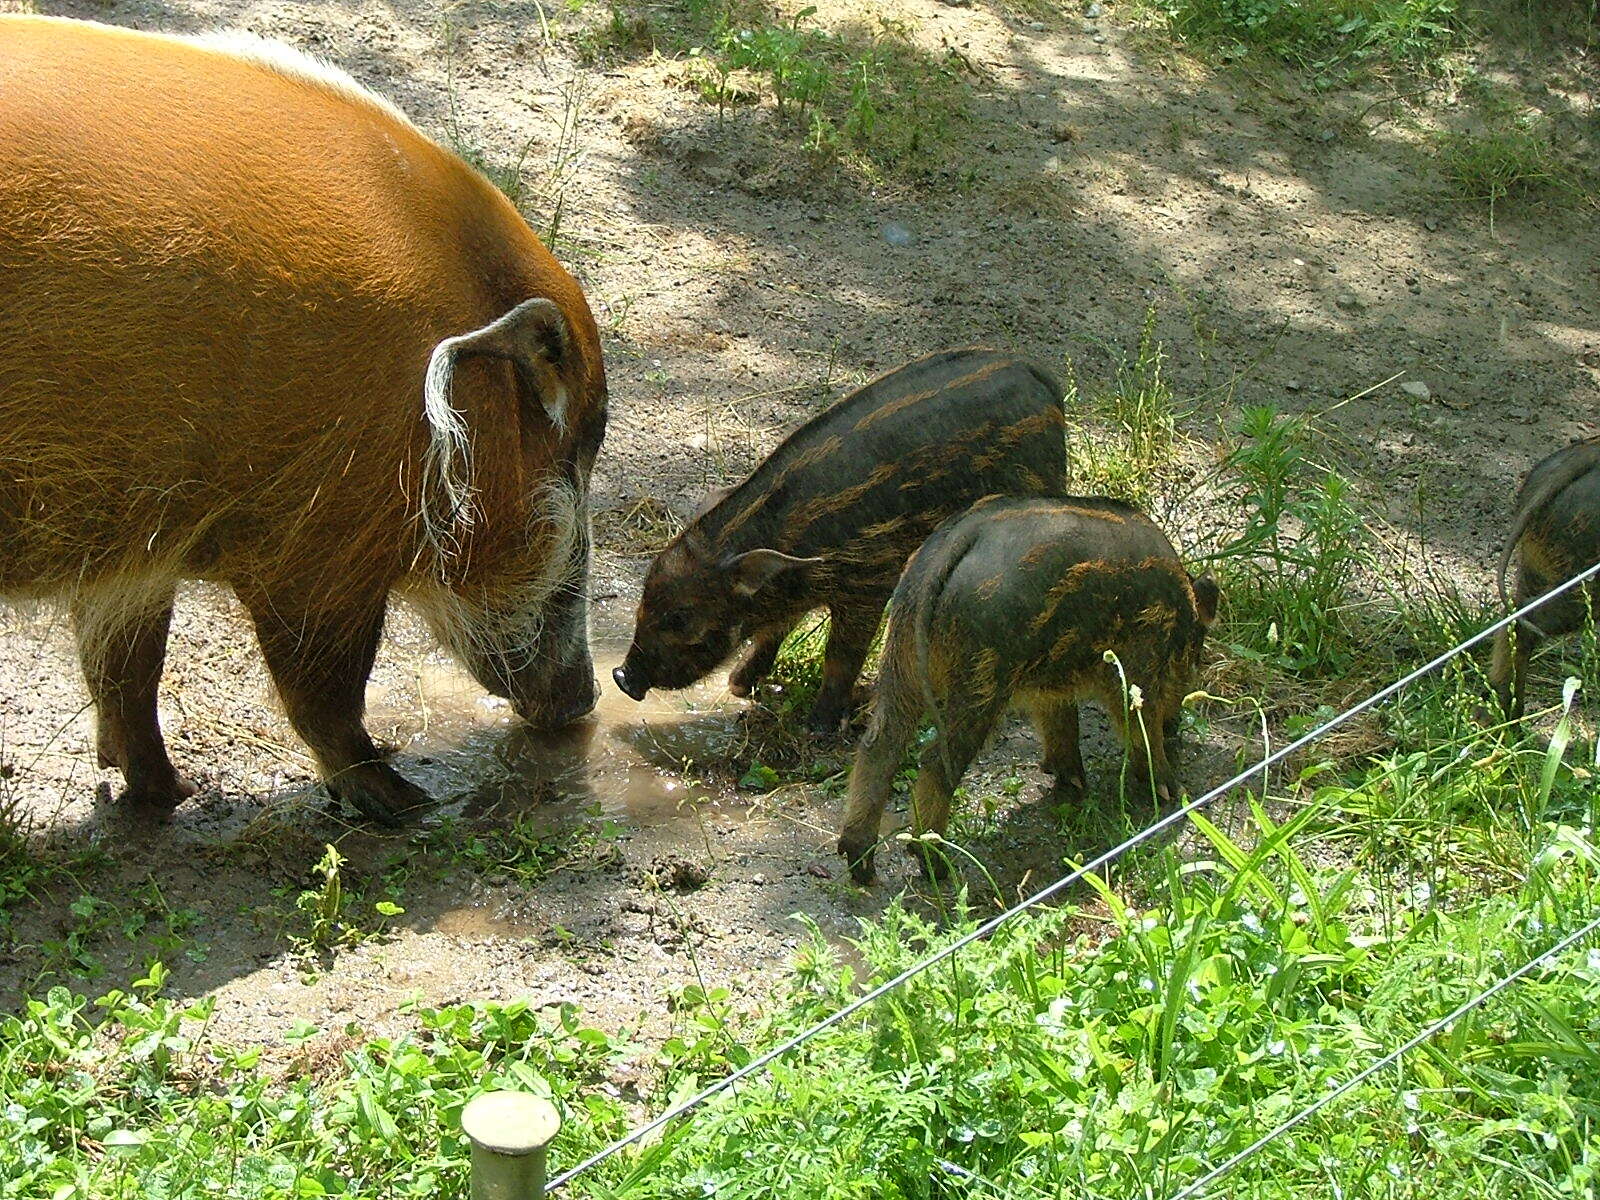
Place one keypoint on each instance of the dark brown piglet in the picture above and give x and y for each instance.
(829, 519)
(1020, 601)
(1556, 535)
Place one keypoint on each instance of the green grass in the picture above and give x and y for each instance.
(116, 1098)
(1328, 37)
(1114, 1048)
(1183, 1003)
(1122, 1055)
(1513, 159)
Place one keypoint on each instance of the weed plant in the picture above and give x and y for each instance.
(1129, 443)
(865, 95)
(1289, 574)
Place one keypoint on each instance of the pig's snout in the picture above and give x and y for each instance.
(632, 682)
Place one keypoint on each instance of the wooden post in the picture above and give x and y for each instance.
(509, 1132)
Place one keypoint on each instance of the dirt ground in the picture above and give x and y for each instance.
(1299, 245)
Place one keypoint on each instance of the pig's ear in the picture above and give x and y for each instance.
(1207, 596)
(751, 571)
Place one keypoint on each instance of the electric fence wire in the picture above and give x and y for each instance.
(762, 1061)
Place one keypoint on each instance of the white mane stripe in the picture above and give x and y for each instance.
(449, 457)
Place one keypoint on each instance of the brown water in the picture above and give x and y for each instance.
(631, 761)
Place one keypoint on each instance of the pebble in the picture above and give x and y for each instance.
(1092, 9)
(1098, 38)
(1294, 385)
(1348, 301)
(1037, 26)
(897, 234)
(1416, 389)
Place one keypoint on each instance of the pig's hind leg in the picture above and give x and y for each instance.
(122, 652)
(896, 716)
(964, 726)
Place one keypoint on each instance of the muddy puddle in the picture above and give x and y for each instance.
(628, 761)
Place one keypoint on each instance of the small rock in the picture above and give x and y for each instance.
(1521, 415)
(1416, 389)
(1037, 26)
(673, 873)
(1098, 39)
(897, 234)
(1327, 135)
(1349, 302)
(818, 871)
(1092, 9)
(1294, 385)
(1430, 223)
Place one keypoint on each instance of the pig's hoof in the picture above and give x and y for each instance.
(740, 687)
(859, 856)
(162, 794)
(380, 793)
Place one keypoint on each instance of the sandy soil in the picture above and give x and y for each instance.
(1297, 244)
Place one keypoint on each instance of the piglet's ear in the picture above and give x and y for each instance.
(751, 571)
(1207, 596)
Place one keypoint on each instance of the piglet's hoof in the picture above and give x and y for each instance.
(826, 723)
(931, 857)
(859, 855)
(380, 793)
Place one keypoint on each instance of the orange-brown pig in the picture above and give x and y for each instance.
(259, 329)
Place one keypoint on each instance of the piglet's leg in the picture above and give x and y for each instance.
(122, 653)
(758, 660)
(962, 733)
(320, 663)
(1056, 720)
(1141, 732)
(849, 638)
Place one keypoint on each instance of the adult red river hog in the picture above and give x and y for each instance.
(258, 329)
